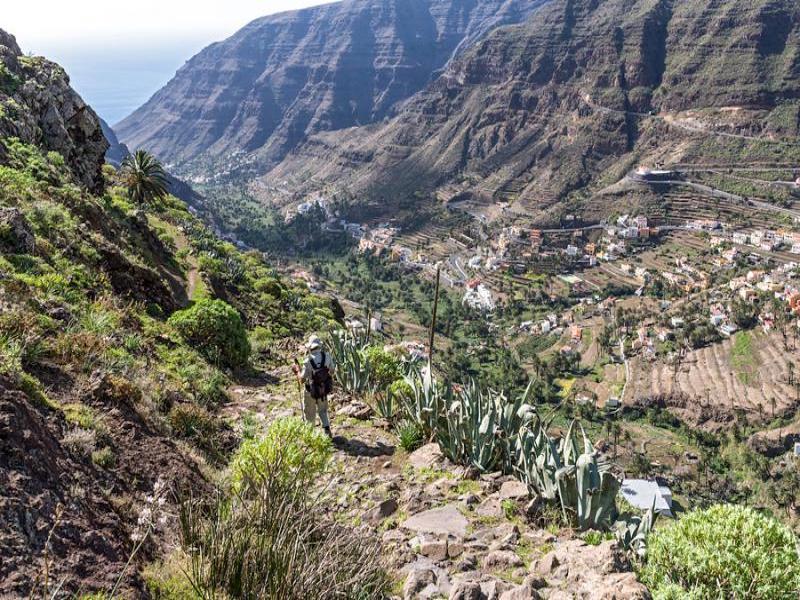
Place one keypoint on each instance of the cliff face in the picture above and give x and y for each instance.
(37, 105)
(542, 108)
(250, 99)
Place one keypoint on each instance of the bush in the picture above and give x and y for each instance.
(303, 450)
(385, 368)
(216, 329)
(409, 435)
(104, 458)
(272, 539)
(725, 551)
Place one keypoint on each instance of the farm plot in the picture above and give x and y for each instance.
(750, 372)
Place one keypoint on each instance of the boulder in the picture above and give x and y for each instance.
(491, 507)
(501, 559)
(445, 520)
(356, 410)
(528, 590)
(381, 511)
(513, 490)
(417, 581)
(617, 586)
(426, 457)
(16, 235)
(466, 590)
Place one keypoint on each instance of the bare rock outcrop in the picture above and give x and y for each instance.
(38, 106)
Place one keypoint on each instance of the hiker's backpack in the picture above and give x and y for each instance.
(321, 381)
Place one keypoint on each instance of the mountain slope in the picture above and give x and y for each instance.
(543, 108)
(247, 100)
(101, 395)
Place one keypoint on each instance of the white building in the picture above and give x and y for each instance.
(740, 238)
(645, 494)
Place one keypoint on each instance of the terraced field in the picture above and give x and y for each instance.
(749, 374)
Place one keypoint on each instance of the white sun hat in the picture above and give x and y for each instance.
(314, 343)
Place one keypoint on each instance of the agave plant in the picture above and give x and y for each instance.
(633, 530)
(482, 427)
(352, 369)
(426, 405)
(569, 472)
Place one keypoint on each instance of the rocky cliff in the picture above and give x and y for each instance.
(37, 105)
(583, 88)
(244, 102)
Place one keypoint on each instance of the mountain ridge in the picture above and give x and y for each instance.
(538, 110)
(246, 101)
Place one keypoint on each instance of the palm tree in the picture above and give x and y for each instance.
(144, 177)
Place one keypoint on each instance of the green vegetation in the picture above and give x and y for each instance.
(725, 551)
(144, 177)
(216, 329)
(744, 360)
(291, 449)
(270, 537)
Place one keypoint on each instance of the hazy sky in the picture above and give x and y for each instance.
(119, 53)
(48, 23)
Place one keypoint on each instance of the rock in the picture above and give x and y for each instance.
(455, 548)
(356, 410)
(467, 563)
(16, 235)
(546, 565)
(617, 586)
(513, 490)
(434, 549)
(426, 457)
(493, 588)
(526, 591)
(491, 507)
(466, 590)
(393, 536)
(418, 580)
(470, 499)
(429, 581)
(378, 513)
(445, 520)
(501, 559)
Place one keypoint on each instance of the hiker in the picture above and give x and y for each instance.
(316, 376)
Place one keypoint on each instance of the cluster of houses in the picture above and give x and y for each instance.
(768, 240)
(550, 325)
(478, 296)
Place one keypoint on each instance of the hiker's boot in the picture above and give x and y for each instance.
(328, 432)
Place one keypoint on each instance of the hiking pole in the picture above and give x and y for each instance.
(296, 370)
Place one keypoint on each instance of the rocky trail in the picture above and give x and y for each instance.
(445, 532)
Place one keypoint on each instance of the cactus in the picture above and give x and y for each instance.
(427, 402)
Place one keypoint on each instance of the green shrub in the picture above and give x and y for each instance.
(409, 435)
(725, 551)
(384, 367)
(302, 450)
(275, 539)
(216, 329)
(104, 458)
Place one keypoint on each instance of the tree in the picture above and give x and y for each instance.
(144, 177)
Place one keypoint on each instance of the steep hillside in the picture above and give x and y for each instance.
(244, 102)
(583, 88)
(37, 105)
(102, 394)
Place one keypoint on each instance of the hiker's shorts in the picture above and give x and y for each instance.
(312, 407)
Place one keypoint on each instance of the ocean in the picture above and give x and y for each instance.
(117, 79)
